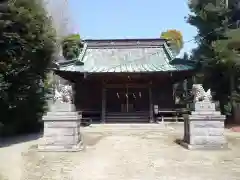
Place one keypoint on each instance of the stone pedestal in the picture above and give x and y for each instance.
(204, 128)
(61, 129)
(237, 114)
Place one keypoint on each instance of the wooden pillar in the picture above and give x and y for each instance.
(103, 118)
(151, 120)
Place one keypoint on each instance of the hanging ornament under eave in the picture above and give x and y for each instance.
(140, 94)
(118, 95)
(134, 96)
(177, 100)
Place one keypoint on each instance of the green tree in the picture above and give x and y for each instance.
(71, 46)
(27, 44)
(219, 62)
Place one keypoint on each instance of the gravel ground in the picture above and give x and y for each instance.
(124, 152)
(11, 155)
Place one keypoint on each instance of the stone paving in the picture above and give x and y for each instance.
(134, 152)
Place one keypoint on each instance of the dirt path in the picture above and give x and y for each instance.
(11, 156)
(125, 152)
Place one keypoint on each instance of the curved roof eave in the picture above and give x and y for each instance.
(164, 61)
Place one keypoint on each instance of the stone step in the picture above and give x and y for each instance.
(124, 126)
(128, 117)
(126, 121)
(128, 113)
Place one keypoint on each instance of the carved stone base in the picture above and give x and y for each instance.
(204, 106)
(61, 130)
(204, 128)
(62, 107)
(202, 147)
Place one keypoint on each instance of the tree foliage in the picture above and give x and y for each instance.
(27, 44)
(176, 39)
(71, 46)
(217, 51)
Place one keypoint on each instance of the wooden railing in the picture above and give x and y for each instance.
(171, 114)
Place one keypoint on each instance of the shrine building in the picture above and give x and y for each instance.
(124, 80)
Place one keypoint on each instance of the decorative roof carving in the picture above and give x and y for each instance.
(124, 43)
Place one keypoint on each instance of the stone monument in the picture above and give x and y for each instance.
(204, 128)
(62, 123)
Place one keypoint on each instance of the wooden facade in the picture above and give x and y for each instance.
(98, 95)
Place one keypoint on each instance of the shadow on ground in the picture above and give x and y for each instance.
(8, 141)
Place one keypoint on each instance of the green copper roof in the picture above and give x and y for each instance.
(142, 55)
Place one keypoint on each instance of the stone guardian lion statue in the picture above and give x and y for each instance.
(200, 94)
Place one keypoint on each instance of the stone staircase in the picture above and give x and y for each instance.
(127, 117)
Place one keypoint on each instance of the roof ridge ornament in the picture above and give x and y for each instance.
(169, 52)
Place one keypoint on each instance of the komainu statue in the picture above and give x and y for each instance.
(200, 94)
(63, 93)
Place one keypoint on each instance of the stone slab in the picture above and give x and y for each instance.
(206, 118)
(61, 124)
(61, 148)
(203, 113)
(205, 124)
(202, 147)
(61, 131)
(62, 107)
(61, 118)
(207, 140)
(204, 106)
(63, 140)
(62, 113)
(206, 132)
